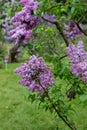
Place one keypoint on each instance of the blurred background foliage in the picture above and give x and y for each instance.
(46, 39)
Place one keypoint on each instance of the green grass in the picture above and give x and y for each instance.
(17, 112)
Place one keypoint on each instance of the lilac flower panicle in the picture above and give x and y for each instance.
(35, 74)
(78, 58)
(24, 21)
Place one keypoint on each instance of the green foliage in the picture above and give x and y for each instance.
(83, 98)
(71, 9)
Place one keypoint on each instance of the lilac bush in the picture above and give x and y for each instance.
(35, 74)
(78, 58)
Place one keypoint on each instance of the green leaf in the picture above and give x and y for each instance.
(9, 11)
(83, 98)
(72, 10)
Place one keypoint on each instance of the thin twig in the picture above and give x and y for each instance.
(80, 28)
(82, 16)
(62, 57)
(69, 4)
(59, 28)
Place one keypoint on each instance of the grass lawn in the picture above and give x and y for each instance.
(17, 113)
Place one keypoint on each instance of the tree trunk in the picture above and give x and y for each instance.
(13, 53)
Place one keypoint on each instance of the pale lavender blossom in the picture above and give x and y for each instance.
(35, 74)
(78, 58)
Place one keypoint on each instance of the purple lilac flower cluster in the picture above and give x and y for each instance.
(78, 57)
(35, 74)
(71, 30)
(24, 21)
